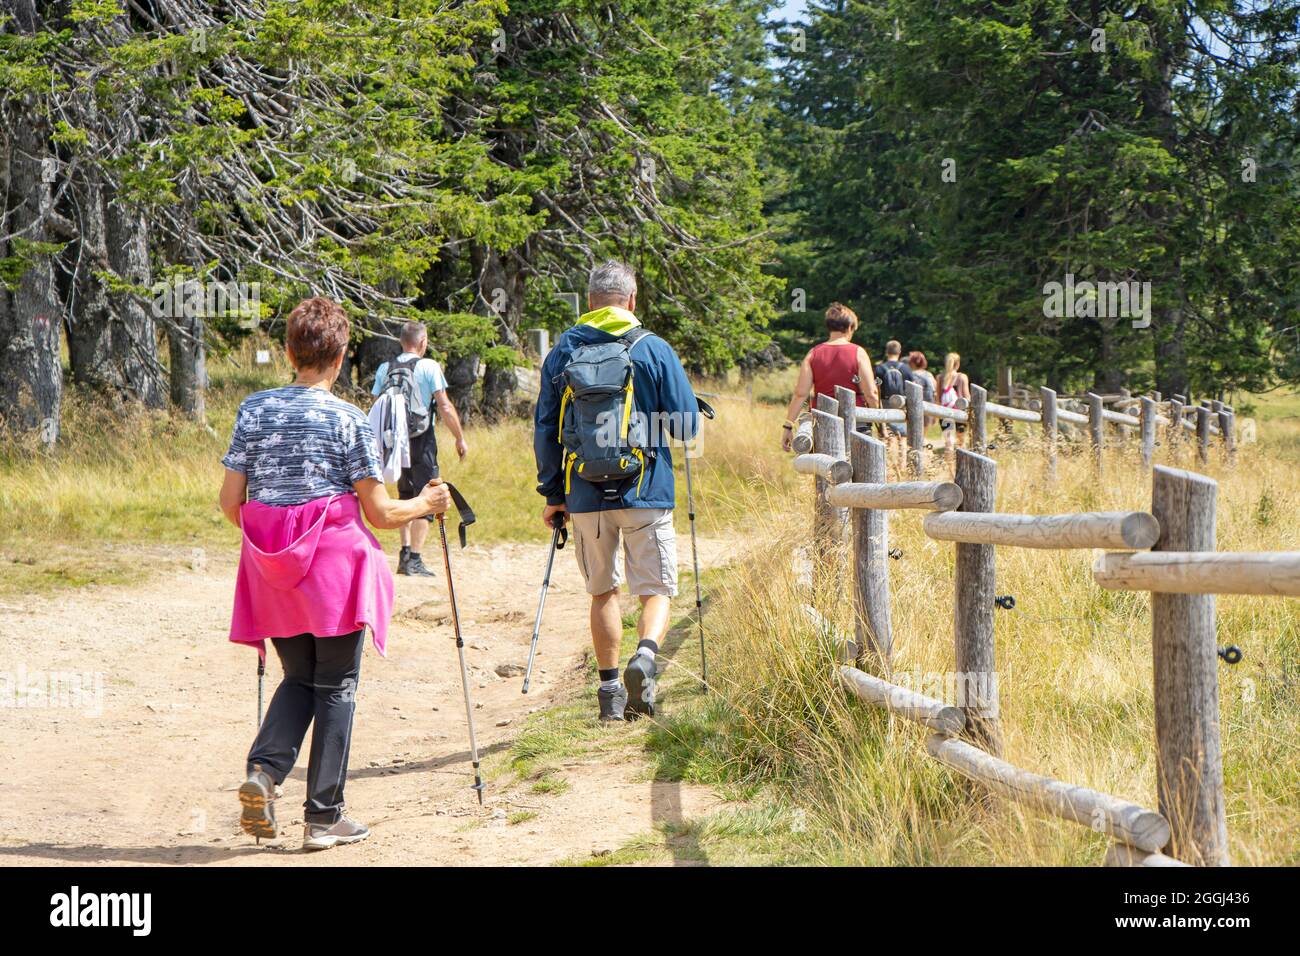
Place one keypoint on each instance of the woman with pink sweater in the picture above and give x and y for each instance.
(301, 470)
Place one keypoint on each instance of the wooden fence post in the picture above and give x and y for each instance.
(847, 399)
(1175, 422)
(976, 419)
(915, 429)
(1096, 427)
(1183, 644)
(1148, 432)
(973, 609)
(829, 522)
(1202, 434)
(1047, 397)
(873, 629)
(1229, 440)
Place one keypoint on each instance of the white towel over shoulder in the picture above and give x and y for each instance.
(392, 440)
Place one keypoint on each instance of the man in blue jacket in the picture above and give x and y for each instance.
(638, 511)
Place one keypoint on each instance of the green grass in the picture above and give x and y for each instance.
(123, 480)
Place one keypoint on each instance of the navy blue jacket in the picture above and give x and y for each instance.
(659, 385)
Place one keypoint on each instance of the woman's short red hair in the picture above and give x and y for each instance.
(840, 318)
(318, 331)
(917, 360)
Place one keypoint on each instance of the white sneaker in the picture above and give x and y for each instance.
(321, 836)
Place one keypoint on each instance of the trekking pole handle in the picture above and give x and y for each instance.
(561, 529)
(462, 508)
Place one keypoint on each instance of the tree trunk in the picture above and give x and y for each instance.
(1169, 324)
(501, 289)
(31, 378)
(189, 365)
(499, 388)
(1109, 375)
(112, 340)
(462, 373)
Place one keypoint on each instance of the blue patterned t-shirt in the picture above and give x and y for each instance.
(296, 443)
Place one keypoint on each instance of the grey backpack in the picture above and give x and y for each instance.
(400, 377)
(604, 442)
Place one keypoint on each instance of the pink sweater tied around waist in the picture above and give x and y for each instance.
(312, 568)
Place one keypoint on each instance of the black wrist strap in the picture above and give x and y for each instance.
(462, 508)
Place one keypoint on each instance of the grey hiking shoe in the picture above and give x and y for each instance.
(322, 836)
(612, 703)
(403, 559)
(257, 796)
(639, 679)
(415, 566)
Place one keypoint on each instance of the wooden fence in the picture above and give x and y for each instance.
(1168, 551)
(1140, 418)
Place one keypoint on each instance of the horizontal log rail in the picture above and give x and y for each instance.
(930, 495)
(1098, 529)
(1128, 822)
(938, 716)
(1012, 414)
(1121, 418)
(803, 437)
(880, 415)
(827, 467)
(933, 409)
(1268, 573)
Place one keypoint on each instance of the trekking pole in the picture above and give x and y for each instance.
(707, 411)
(559, 537)
(466, 518)
(261, 686)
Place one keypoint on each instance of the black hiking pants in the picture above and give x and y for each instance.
(320, 683)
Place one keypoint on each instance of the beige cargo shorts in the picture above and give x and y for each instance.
(649, 550)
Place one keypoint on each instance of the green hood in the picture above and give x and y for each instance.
(611, 320)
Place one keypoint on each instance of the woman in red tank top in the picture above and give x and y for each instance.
(837, 361)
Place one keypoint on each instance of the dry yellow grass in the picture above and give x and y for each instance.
(1075, 675)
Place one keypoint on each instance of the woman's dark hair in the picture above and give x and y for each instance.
(317, 333)
(917, 360)
(840, 318)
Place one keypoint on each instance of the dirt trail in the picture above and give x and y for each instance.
(151, 779)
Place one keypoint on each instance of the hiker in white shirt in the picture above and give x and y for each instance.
(425, 393)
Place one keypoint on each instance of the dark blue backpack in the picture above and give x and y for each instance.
(604, 441)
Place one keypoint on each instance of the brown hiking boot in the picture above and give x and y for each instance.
(257, 796)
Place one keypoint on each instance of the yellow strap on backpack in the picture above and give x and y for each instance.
(627, 409)
(559, 428)
(568, 473)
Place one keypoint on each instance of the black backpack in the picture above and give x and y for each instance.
(891, 380)
(401, 379)
(603, 441)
